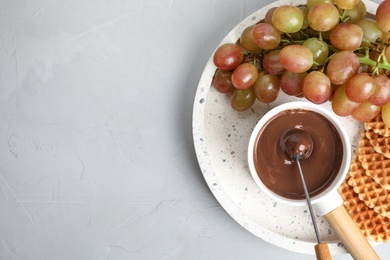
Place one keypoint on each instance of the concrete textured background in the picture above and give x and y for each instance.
(96, 152)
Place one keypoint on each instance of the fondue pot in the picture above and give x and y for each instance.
(328, 201)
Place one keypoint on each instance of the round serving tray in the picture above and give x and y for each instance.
(221, 137)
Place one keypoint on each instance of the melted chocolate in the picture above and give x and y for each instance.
(279, 172)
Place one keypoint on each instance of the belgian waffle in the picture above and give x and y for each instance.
(377, 126)
(381, 144)
(366, 189)
(373, 226)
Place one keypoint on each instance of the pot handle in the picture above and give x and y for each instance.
(350, 235)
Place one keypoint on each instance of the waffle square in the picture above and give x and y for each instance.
(376, 165)
(377, 126)
(381, 144)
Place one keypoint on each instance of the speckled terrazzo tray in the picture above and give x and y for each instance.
(221, 137)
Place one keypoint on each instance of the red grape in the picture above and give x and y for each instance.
(324, 50)
(360, 87)
(366, 111)
(266, 36)
(342, 66)
(316, 87)
(228, 56)
(296, 58)
(291, 83)
(383, 16)
(222, 81)
(271, 63)
(341, 105)
(346, 36)
(269, 14)
(266, 87)
(381, 95)
(244, 75)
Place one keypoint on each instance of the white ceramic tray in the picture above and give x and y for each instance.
(221, 137)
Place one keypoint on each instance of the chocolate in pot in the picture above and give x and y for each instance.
(277, 170)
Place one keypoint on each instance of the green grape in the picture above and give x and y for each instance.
(323, 17)
(311, 3)
(246, 40)
(346, 36)
(288, 19)
(305, 11)
(296, 58)
(318, 48)
(267, 87)
(228, 56)
(266, 36)
(316, 87)
(242, 99)
(342, 67)
(383, 16)
(341, 105)
(346, 4)
(222, 81)
(386, 114)
(355, 14)
(244, 75)
(371, 31)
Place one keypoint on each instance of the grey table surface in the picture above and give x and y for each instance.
(96, 152)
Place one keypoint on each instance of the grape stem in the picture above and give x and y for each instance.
(344, 17)
(380, 63)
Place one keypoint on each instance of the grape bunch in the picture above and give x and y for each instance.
(324, 51)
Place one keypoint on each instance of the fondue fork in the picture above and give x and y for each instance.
(298, 144)
(321, 249)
